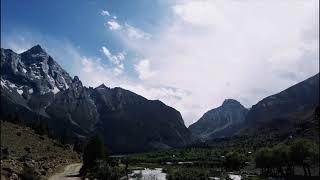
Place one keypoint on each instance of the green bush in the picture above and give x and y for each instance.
(103, 170)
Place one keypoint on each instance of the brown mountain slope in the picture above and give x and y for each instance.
(23, 151)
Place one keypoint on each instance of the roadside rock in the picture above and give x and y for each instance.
(4, 153)
(13, 176)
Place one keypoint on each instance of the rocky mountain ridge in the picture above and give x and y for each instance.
(35, 88)
(285, 111)
(221, 121)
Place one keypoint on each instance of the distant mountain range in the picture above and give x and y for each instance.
(37, 90)
(288, 110)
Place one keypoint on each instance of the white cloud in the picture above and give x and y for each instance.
(115, 60)
(87, 65)
(121, 56)
(114, 25)
(127, 30)
(117, 71)
(245, 50)
(143, 69)
(135, 33)
(210, 51)
(92, 71)
(201, 13)
(18, 44)
(106, 51)
(104, 13)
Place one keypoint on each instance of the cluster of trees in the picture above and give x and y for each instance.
(96, 163)
(180, 155)
(281, 159)
(229, 159)
(234, 161)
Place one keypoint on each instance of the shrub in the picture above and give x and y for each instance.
(29, 173)
(93, 151)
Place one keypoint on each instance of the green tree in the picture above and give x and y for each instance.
(263, 160)
(78, 145)
(64, 137)
(93, 152)
(302, 152)
(281, 158)
(234, 161)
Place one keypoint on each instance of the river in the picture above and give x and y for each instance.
(148, 174)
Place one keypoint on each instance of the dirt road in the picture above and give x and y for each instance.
(70, 173)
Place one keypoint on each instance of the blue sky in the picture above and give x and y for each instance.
(190, 54)
(77, 21)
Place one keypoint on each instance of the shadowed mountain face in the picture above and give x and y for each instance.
(288, 111)
(127, 117)
(36, 89)
(220, 122)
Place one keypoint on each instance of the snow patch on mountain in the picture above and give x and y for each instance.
(11, 84)
(20, 91)
(55, 90)
(65, 83)
(30, 91)
(3, 83)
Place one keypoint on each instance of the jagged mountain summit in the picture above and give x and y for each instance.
(37, 90)
(221, 121)
(33, 71)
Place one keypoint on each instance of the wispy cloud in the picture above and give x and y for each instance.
(104, 13)
(19, 44)
(116, 60)
(144, 70)
(114, 25)
(126, 29)
(135, 33)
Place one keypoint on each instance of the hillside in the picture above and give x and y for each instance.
(289, 107)
(290, 111)
(23, 152)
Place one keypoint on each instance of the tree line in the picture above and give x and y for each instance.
(281, 160)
